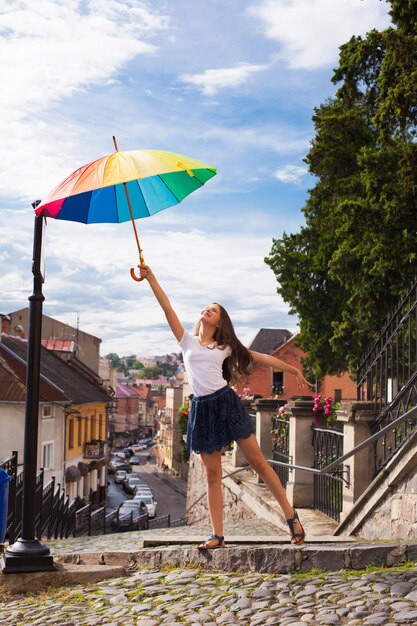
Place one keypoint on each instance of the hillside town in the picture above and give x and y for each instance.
(92, 405)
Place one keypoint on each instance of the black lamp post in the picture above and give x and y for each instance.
(27, 554)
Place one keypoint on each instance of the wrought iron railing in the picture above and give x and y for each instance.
(328, 489)
(54, 516)
(388, 378)
(280, 433)
(57, 518)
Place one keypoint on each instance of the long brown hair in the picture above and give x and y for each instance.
(236, 365)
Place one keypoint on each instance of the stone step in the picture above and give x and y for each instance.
(252, 557)
(65, 574)
(152, 540)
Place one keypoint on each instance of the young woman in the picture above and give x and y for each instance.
(214, 358)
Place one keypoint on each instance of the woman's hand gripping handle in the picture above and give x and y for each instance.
(139, 278)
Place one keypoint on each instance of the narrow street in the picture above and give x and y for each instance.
(169, 500)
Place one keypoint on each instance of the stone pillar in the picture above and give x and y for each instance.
(357, 418)
(265, 411)
(300, 485)
(80, 487)
(93, 479)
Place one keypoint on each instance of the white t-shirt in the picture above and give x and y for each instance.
(203, 365)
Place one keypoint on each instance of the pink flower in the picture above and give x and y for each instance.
(318, 404)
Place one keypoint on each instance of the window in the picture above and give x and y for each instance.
(101, 427)
(79, 430)
(93, 426)
(71, 434)
(48, 455)
(277, 382)
(47, 411)
(337, 395)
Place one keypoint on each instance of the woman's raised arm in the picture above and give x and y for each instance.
(172, 318)
(272, 361)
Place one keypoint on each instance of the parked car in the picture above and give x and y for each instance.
(142, 488)
(121, 466)
(132, 514)
(119, 476)
(134, 460)
(139, 494)
(148, 500)
(131, 482)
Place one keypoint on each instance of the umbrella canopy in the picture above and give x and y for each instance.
(125, 185)
(154, 179)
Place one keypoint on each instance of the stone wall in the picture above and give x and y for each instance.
(234, 509)
(396, 516)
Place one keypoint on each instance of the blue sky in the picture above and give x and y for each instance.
(231, 83)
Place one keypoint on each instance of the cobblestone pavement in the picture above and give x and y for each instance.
(197, 597)
(194, 597)
(130, 541)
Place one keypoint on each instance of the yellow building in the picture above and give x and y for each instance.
(85, 449)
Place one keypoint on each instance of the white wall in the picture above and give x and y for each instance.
(12, 428)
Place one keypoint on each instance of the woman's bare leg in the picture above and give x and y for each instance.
(213, 466)
(259, 464)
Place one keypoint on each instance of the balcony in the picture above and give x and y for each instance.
(94, 450)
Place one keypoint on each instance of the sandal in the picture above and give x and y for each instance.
(296, 538)
(207, 546)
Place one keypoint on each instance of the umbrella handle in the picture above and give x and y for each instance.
(133, 275)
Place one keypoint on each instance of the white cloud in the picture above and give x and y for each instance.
(211, 81)
(278, 138)
(50, 50)
(290, 173)
(96, 284)
(311, 31)
(89, 45)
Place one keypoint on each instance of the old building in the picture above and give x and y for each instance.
(269, 382)
(124, 424)
(72, 418)
(78, 343)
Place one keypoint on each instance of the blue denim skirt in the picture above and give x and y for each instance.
(216, 420)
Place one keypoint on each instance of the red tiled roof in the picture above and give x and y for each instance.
(60, 345)
(143, 392)
(59, 381)
(11, 363)
(125, 391)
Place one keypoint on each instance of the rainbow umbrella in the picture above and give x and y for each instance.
(125, 186)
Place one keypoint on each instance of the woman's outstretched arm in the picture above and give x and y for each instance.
(172, 318)
(272, 361)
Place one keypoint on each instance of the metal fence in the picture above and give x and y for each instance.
(280, 446)
(387, 377)
(55, 517)
(98, 522)
(328, 489)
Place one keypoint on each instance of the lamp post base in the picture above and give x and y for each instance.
(27, 555)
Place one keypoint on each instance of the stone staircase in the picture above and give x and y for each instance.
(259, 544)
(253, 546)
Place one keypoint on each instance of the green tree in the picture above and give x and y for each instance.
(346, 268)
(152, 373)
(114, 360)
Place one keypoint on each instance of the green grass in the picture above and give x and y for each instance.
(312, 573)
(379, 569)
